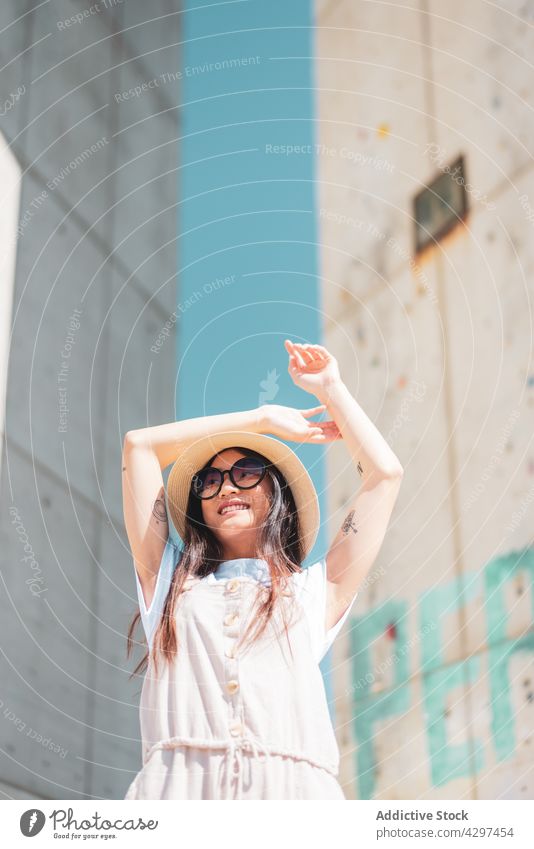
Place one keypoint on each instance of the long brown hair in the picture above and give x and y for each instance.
(279, 543)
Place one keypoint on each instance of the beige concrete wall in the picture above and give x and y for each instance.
(434, 684)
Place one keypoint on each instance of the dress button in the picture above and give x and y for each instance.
(232, 585)
(236, 729)
(230, 651)
(232, 686)
(231, 618)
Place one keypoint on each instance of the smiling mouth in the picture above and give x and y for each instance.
(232, 508)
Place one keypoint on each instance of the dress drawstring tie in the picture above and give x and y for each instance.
(234, 761)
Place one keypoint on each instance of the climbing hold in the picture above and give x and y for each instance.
(382, 131)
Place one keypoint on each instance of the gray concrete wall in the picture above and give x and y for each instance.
(434, 670)
(94, 283)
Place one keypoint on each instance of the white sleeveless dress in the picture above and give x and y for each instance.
(251, 723)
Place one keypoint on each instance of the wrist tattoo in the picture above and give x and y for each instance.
(158, 510)
(348, 524)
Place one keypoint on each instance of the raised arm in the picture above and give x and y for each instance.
(146, 452)
(358, 541)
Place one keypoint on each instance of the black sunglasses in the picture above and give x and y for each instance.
(245, 473)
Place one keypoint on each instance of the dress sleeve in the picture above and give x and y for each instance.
(150, 617)
(311, 590)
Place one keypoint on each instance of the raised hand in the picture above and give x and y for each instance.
(292, 424)
(312, 368)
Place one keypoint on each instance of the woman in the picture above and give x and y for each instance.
(233, 704)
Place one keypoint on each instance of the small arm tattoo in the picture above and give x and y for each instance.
(158, 510)
(359, 467)
(348, 524)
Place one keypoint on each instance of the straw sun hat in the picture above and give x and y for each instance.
(195, 456)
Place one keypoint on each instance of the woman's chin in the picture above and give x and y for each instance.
(239, 519)
(233, 527)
